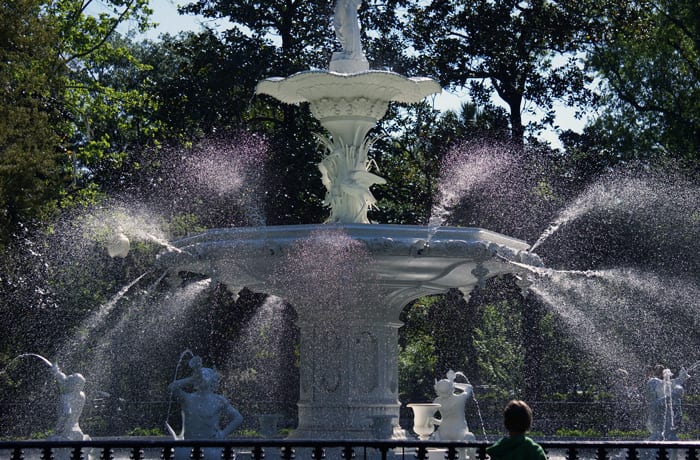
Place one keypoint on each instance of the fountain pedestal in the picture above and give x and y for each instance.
(346, 379)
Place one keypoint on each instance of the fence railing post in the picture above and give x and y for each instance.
(421, 453)
(287, 453)
(318, 453)
(17, 454)
(601, 453)
(77, 453)
(47, 453)
(107, 453)
(167, 453)
(137, 453)
(230, 454)
(348, 452)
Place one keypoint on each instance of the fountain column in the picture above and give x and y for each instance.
(349, 355)
(346, 379)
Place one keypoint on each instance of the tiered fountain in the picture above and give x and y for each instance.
(349, 349)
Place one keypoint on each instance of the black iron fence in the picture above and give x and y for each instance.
(291, 449)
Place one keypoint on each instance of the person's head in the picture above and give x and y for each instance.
(517, 417)
(659, 371)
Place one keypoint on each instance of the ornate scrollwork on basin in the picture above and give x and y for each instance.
(342, 107)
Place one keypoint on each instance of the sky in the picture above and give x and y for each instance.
(170, 21)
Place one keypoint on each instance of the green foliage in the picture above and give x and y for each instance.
(691, 435)
(567, 360)
(410, 150)
(183, 225)
(41, 434)
(31, 163)
(646, 54)
(301, 26)
(203, 82)
(405, 160)
(417, 353)
(499, 350)
(576, 433)
(150, 432)
(417, 368)
(113, 114)
(248, 434)
(631, 434)
(66, 114)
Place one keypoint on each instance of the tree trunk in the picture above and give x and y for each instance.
(516, 121)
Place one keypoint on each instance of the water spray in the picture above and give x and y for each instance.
(25, 355)
(164, 243)
(668, 396)
(46, 361)
(170, 399)
(476, 402)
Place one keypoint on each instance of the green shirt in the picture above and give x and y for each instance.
(518, 447)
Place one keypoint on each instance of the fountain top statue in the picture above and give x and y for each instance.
(347, 29)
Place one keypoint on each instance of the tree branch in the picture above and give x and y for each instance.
(105, 37)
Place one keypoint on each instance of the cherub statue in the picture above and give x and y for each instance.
(452, 397)
(203, 410)
(664, 395)
(70, 405)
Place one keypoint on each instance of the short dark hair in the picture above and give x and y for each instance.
(659, 371)
(517, 416)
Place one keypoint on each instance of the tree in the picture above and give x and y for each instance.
(203, 82)
(300, 27)
(648, 55)
(524, 51)
(410, 150)
(417, 351)
(54, 54)
(111, 113)
(31, 162)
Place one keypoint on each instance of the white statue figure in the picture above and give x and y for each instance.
(664, 395)
(70, 405)
(452, 397)
(347, 29)
(203, 410)
(345, 174)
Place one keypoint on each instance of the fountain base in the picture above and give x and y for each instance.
(349, 344)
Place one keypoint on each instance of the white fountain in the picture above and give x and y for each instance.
(349, 352)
